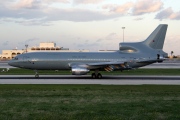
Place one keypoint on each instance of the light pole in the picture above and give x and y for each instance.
(123, 33)
(26, 47)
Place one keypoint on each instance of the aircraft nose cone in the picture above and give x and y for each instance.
(11, 63)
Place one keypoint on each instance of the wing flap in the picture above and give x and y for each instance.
(108, 66)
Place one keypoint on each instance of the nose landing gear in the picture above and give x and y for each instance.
(36, 74)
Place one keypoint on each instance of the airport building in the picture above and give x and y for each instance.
(44, 46)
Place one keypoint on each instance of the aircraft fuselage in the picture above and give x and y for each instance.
(62, 60)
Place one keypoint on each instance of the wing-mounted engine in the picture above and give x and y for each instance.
(79, 71)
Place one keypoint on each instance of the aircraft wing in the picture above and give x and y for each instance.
(108, 66)
(104, 63)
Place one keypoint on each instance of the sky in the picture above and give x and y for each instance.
(87, 24)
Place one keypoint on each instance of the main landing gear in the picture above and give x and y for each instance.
(96, 75)
(36, 74)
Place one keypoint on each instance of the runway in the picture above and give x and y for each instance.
(106, 80)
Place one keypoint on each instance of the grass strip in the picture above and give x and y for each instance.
(87, 102)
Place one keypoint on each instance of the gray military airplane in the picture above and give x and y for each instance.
(129, 56)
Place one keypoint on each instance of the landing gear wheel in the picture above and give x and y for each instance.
(99, 76)
(93, 75)
(36, 75)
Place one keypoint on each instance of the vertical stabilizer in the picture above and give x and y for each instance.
(156, 38)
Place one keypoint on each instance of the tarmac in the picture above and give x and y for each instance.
(106, 80)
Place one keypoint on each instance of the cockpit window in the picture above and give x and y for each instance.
(16, 58)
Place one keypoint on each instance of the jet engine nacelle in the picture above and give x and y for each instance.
(79, 71)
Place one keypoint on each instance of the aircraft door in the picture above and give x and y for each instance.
(25, 58)
(158, 56)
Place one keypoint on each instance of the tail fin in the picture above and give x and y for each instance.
(156, 38)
